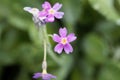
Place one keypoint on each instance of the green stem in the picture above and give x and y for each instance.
(45, 53)
(49, 48)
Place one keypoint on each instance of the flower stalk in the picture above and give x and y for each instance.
(45, 51)
(44, 64)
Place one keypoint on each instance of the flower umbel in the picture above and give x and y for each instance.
(52, 12)
(63, 41)
(48, 14)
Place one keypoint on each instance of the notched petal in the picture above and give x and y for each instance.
(63, 32)
(46, 5)
(59, 15)
(58, 48)
(37, 75)
(56, 38)
(71, 37)
(57, 6)
(68, 48)
(50, 19)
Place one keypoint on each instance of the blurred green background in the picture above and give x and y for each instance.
(96, 53)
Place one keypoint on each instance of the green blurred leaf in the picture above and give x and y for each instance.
(72, 10)
(29, 56)
(23, 75)
(64, 69)
(6, 58)
(107, 9)
(34, 34)
(110, 72)
(76, 75)
(109, 30)
(19, 22)
(87, 70)
(10, 39)
(95, 48)
(116, 55)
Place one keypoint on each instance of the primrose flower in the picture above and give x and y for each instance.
(44, 76)
(52, 12)
(38, 18)
(63, 41)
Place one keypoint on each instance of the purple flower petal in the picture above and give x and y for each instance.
(43, 76)
(51, 76)
(57, 6)
(56, 38)
(50, 18)
(59, 15)
(68, 48)
(71, 37)
(42, 13)
(48, 76)
(46, 5)
(37, 75)
(63, 32)
(58, 48)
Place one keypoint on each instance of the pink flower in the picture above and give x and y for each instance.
(63, 41)
(52, 12)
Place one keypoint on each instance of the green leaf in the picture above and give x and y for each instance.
(6, 58)
(35, 36)
(19, 22)
(107, 9)
(109, 30)
(10, 39)
(95, 48)
(29, 56)
(86, 69)
(116, 55)
(23, 75)
(66, 64)
(72, 13)
(110, 71)
(76, 75)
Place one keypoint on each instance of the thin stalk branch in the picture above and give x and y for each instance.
(45, 51)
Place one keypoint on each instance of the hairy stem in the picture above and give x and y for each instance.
(45, 51)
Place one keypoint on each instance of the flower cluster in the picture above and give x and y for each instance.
(48, 14)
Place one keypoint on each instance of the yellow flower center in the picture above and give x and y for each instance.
(64, 40)
(51, 11)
